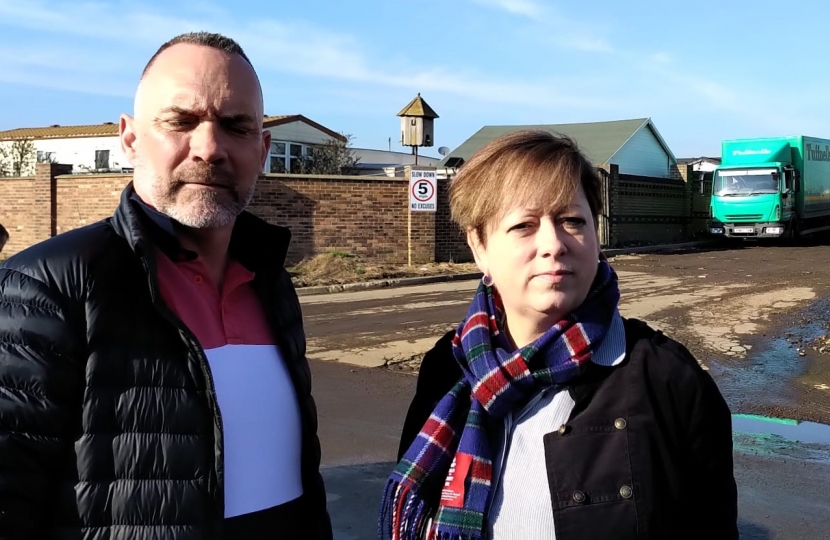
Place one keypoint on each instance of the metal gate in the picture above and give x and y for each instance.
(604, 217)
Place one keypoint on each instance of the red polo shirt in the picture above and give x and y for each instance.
(254, 390)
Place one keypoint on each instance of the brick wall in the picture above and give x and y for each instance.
(27, 206)
(85, 199)
(450, 241)
(366, 216)
(16, 201)
(354, 214)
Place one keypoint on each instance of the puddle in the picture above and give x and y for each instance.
(765, 375)
(803, 432)
(764, 380)
(777, 437)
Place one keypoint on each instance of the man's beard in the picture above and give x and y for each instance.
(197, 207)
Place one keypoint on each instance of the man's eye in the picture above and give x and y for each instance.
(179, 123)
(236, 128)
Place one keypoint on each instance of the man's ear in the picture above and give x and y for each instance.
(266, 148)
(479, 250)
(126, 132)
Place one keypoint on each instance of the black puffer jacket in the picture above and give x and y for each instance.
(109, 426)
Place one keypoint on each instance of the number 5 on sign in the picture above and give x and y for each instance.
(423, 191)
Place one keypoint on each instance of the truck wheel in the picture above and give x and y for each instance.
(794, 234)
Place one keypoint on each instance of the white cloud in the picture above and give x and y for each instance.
(549, 25)
(275, 47)
(525, 8)
(98, 49)
(736, 97)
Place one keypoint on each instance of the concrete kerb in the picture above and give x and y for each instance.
(426, 280)
(658, 248)
(385, 283)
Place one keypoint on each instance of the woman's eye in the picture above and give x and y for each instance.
(573, 222)
(519, 227)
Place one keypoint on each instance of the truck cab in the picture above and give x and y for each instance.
(754, 190)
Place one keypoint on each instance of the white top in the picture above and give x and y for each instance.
(520, 499)
(262, 431)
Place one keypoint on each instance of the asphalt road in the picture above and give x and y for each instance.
(370, 327)
(783, 490)
(361, 411)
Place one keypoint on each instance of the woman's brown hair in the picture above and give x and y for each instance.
(528, 167)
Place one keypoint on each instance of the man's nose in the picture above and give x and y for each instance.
(207, 143)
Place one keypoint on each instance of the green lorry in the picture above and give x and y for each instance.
(771, 188)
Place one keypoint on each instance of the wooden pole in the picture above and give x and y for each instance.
(408, 219)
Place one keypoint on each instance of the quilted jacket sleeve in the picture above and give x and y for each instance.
(40, 387)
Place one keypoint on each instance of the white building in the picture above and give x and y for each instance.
(388, 163)
(97, 148)
(87, 148)
(701, 164)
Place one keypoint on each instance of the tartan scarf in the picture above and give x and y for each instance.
(446, 473)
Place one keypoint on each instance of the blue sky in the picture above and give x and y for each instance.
(703, 71)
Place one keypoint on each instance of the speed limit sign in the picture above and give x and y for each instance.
(423, 190)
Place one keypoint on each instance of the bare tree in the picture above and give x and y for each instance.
(46, 157)
(336, 156)
(23, 154)
(17, 158)
(5, 161)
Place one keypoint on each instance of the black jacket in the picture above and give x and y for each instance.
(109, 425)
(672, 451)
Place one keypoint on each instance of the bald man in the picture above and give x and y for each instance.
(153, 378)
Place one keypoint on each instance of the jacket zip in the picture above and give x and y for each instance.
(193, 344)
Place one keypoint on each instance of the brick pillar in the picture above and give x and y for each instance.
(421, 230)
(45, 207)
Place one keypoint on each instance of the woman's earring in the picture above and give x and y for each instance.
(487, 280)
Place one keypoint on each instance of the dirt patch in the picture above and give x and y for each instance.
(751, 313)
(337, 267)
(729, 326)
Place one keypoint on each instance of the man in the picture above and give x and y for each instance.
(4, 237)
(153, 379)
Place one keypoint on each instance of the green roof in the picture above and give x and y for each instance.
(599, 141)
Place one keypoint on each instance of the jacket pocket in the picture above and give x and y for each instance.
(593, 493)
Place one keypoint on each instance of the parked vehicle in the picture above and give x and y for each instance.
(771, 188)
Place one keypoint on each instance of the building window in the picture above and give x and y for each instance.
(45, 157)
(102, 159)
(288, 157)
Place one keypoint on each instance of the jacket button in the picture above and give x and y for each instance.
(626, 492)
(579, 497)
(620, 423)
(563, 429)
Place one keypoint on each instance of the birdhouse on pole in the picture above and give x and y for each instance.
(417, 125)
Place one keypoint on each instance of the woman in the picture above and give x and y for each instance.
(546, 414)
